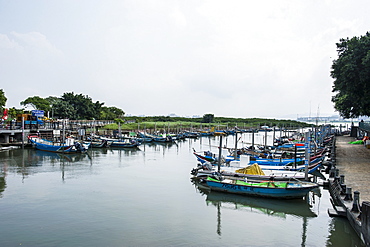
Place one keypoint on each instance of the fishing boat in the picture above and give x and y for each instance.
(268, 189)
(253, 172)
(69, 146)
(156, 138)
(125, 144)
(271, 207)
(208, 156)
(191, 134)
(265, 164)
(101, 143)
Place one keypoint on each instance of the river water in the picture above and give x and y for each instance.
(145, 197)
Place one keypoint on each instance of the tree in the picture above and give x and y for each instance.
(63, 110)
(351, 73)
(12, 112)
(38, 102)
(3, 100)
(83, 105)
(208, 118)
(109, 113)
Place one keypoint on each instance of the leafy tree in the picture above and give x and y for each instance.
(12, 112)
(73, 106)
(351, 73)
(3, 100)
(119, 121)
(208, 118)
(83, 105)
(112, 112)
(38, 102)
(63, 109)
(53, 100)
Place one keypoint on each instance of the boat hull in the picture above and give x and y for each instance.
(290, 191)
(44, 145)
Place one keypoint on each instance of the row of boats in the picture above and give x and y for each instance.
(71, 145)
(252, 172)
(282, 171)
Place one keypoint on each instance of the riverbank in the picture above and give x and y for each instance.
(353, 161)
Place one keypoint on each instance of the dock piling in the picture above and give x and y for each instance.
(332, 172)
(343, 190)
(356, 202)
(341, 179)
(348, 196)
(365, 221)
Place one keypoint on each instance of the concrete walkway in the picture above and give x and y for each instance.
(353, 161)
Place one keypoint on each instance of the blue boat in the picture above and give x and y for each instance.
(125, 144)
(156, 138)
(269, 189)
(69, 146)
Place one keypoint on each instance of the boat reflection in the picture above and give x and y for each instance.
(124, 151)
(271, 207)
(53, 157)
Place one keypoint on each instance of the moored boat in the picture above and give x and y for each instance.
(69, 146)
(125, 144)
(102, 143)
(269, 189)
(254, 172)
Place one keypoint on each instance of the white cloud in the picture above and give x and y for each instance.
(231, 58)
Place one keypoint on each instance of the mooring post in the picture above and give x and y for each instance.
(348, 196)
(342, 185)
(332, 172)
(365, 220)
(341, 179)
(343, 189)
(356, 202)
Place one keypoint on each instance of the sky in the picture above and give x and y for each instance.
(234, 58)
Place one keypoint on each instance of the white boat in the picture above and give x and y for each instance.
(251, 172)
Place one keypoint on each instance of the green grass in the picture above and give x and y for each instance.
(179, 125)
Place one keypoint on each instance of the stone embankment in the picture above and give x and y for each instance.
(353, 161)
(349, 185)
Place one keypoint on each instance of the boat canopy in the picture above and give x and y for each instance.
(254, 169)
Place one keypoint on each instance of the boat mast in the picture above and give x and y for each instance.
(219, 155)
(236, 146)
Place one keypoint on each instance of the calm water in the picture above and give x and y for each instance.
(145, 197)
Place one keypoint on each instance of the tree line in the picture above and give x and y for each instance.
(82, 107)
(69, 105)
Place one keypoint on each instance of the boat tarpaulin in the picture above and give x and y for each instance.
(254, 169)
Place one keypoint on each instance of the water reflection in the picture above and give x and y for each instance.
(26, 162)
(2, 184)
(120, 151)
(160, 146)
(277, 208)
(41, 156)
(341, 234)
(271, 207)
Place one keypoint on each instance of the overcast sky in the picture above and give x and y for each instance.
(267, 58)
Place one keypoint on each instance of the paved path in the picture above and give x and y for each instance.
(353, 161)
